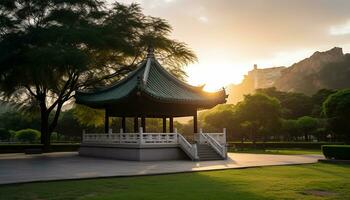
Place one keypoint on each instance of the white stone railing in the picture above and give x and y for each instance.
(189, 149)
(131, 138)
(216, 140)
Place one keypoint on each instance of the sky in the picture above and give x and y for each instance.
(230, 36)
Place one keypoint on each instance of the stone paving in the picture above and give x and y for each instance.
(19, 168)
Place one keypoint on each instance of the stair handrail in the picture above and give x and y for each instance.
(220, 149)
(190, 149)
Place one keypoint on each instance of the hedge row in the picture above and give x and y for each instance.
(275, 145)
(19, 148)
(338, 152)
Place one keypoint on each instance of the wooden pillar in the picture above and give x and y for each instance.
(123, 124)
(195, 123)
(171, 124)
(136, 124)
(106, 121)
(164, 124)
(143, 124)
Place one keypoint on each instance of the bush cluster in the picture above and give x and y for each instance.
(28, 135)
(338, 152)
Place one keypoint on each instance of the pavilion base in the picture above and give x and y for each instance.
(133, 152)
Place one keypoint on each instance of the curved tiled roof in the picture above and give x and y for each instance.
(153, 80)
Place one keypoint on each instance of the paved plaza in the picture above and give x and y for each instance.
(18, 168)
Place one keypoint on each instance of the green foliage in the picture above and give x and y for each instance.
(4, 134)
(289, 128)
(49, 49)
(219, 116)
(88, 116)
(16, 120)
(307, 125)
(28, 135)
(293, 104)
(337, 109)
(317, 99)
(260, 113)
(339, 152)
(306, 182)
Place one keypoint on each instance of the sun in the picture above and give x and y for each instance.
(214, 77)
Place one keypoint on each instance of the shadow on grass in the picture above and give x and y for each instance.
(181, 186)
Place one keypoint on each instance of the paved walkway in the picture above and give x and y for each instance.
(16, 168)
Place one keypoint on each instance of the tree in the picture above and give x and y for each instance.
(222, 116)
(4, 134)
(318, 98)
(307, 125)
(50, 49)
(289, 128)
(68, 126)
(337, 109)
(16, 120)
(261, 112)
(293, 104)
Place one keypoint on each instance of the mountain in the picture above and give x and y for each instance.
(304, 75)
(329, 69)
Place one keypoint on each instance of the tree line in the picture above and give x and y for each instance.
(50, 49)
(272, 115)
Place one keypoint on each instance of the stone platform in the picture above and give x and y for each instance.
(19, 168)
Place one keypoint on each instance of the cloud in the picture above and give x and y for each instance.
(240, 33)
(342, 29)
(203, 19)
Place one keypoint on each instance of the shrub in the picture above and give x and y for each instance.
(27, 135)
(339, 152)
(283, 145)
(4, 134)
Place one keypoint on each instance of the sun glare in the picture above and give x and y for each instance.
(214, 76)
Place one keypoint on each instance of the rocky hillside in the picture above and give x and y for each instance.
(329, 69)
(304, 75)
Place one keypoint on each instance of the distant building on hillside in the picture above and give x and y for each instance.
(255, 79)
(264, 78)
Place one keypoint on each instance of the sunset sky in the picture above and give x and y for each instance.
(230, 36)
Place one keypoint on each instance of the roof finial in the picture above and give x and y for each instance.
(150, 52)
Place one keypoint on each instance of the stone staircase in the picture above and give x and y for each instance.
(206, 152)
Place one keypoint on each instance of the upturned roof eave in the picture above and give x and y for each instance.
(205, 102)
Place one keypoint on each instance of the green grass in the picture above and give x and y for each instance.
(313, 181)
(278, 151)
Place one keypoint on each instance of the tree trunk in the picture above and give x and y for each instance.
(45, 133)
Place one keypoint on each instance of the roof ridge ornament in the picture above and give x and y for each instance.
(150, 55)
(150, 52)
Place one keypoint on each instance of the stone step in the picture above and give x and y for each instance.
(206, 152)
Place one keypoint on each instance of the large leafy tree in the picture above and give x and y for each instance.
(318, 98)
(260, 113)
(337, 109)
(308, 126)
(222, 116)
(294, 105)
(51, 48)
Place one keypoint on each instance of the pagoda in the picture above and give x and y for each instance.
(150, 91)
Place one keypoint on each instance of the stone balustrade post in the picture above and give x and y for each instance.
(224, 131)
(141, 135)
(83, 137)
(176, 138)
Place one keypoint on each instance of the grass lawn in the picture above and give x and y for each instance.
(313, 181)
(278, 151)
